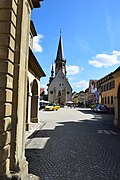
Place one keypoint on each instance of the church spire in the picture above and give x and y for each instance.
(60, 62)
(60, 54)
(52, 71)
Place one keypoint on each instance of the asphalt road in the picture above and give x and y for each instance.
(74, 144)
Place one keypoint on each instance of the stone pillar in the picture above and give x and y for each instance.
(18, 163)
(8, 13)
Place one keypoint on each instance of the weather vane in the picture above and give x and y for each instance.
(60, 31)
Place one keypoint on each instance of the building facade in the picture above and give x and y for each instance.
(35, 72)
(106, 88)
(109, 93)
(93, 93)
(59, 89)
(14, 58)
(75, 98)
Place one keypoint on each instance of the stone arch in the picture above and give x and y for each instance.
(118, 104)
(28, 106)
(27, 103)
(34, 101)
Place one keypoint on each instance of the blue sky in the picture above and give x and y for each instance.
(90, 35)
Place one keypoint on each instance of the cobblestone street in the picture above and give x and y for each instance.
(74, 144)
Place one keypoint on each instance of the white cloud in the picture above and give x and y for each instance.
(116, 52)
(106, 60)
(82, 84)
(71, 70)
(36, 43)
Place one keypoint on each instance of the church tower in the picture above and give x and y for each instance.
(60, 62)
(59, 89)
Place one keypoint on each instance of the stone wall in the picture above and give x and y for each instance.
(14, 48)
(8, 14)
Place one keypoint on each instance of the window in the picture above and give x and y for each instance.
(113, 84)
(107, 87)
(108, 100)
(102, 100)
(104, 88)
(105, 100)
(110, 85)
(111, 99)
(101, 88)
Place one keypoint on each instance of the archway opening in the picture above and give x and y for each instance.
(27, 111)
(34, 102)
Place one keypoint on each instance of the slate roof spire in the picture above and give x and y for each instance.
(60, 62)
(60, 53)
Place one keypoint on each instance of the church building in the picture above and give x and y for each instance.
(59, 89)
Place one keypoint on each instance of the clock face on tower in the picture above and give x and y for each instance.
(60, 75)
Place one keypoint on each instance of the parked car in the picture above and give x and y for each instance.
(51, 107)
(42, 104)
(100, 108)
(92, 106)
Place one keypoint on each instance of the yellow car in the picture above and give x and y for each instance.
(51, 107)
